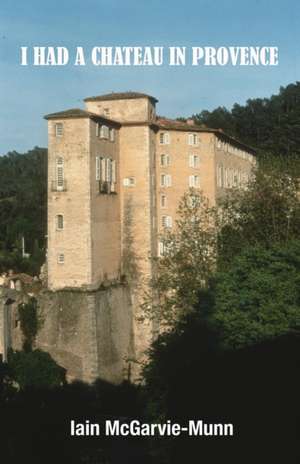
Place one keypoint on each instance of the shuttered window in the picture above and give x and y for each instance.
(193, 139)
(166, 221)
(194, 181)
(194, 161)
(59, 129)
(60, 173)
(164, 138)
(164, 160)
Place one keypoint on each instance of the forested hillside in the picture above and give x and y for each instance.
(268, 124)
(23, 193)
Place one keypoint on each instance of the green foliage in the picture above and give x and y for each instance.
(268, 124)
(29, 322)
(188, 261)
(35, 369)
(267, 212)
(258, 296)
(23, 208)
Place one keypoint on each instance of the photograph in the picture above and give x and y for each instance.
(149, 232)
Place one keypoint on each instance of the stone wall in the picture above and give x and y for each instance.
(90, 334)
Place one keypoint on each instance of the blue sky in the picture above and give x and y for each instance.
(27, 93)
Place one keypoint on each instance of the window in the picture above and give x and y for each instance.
(194, 161)
(239, 178)
(104, 132)
(165, 180)
(226, 178)
(194, 181)
(166, 221)
(112, 135)
(98, 167)
(161, 249)
(163, 201)
(193, 139)
(59, 222)
(129, 182)
(59, 173)
(60, 258)
(164, 160)
(59, 129)
(230, 178)
(164, 138)
(220, 175)
(235, 179)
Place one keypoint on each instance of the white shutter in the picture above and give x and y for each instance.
(191, 161)
(161, 249)
(59, 129)
(167, 138)
(168, 180)
(60, 173)
(190, 139)
(169, 221)
(98, 168)
(113, 171)
(163, 180)
(191, 181)
(112, 135)
(102, 170)
(108, 170)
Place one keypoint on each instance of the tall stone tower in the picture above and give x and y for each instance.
(101, 198)
(83, 200)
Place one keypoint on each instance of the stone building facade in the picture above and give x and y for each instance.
(116, 163)
(116, 174)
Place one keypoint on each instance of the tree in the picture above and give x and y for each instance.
(268, 124)
(188, 259)
(35, 369)
(23, 208)
(267, 212)
(258, 296)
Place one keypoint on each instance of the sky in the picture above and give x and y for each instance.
(27, 93)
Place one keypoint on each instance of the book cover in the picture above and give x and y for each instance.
(149, 231)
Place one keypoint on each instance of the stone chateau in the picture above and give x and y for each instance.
(116, 173)
(114, 159)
